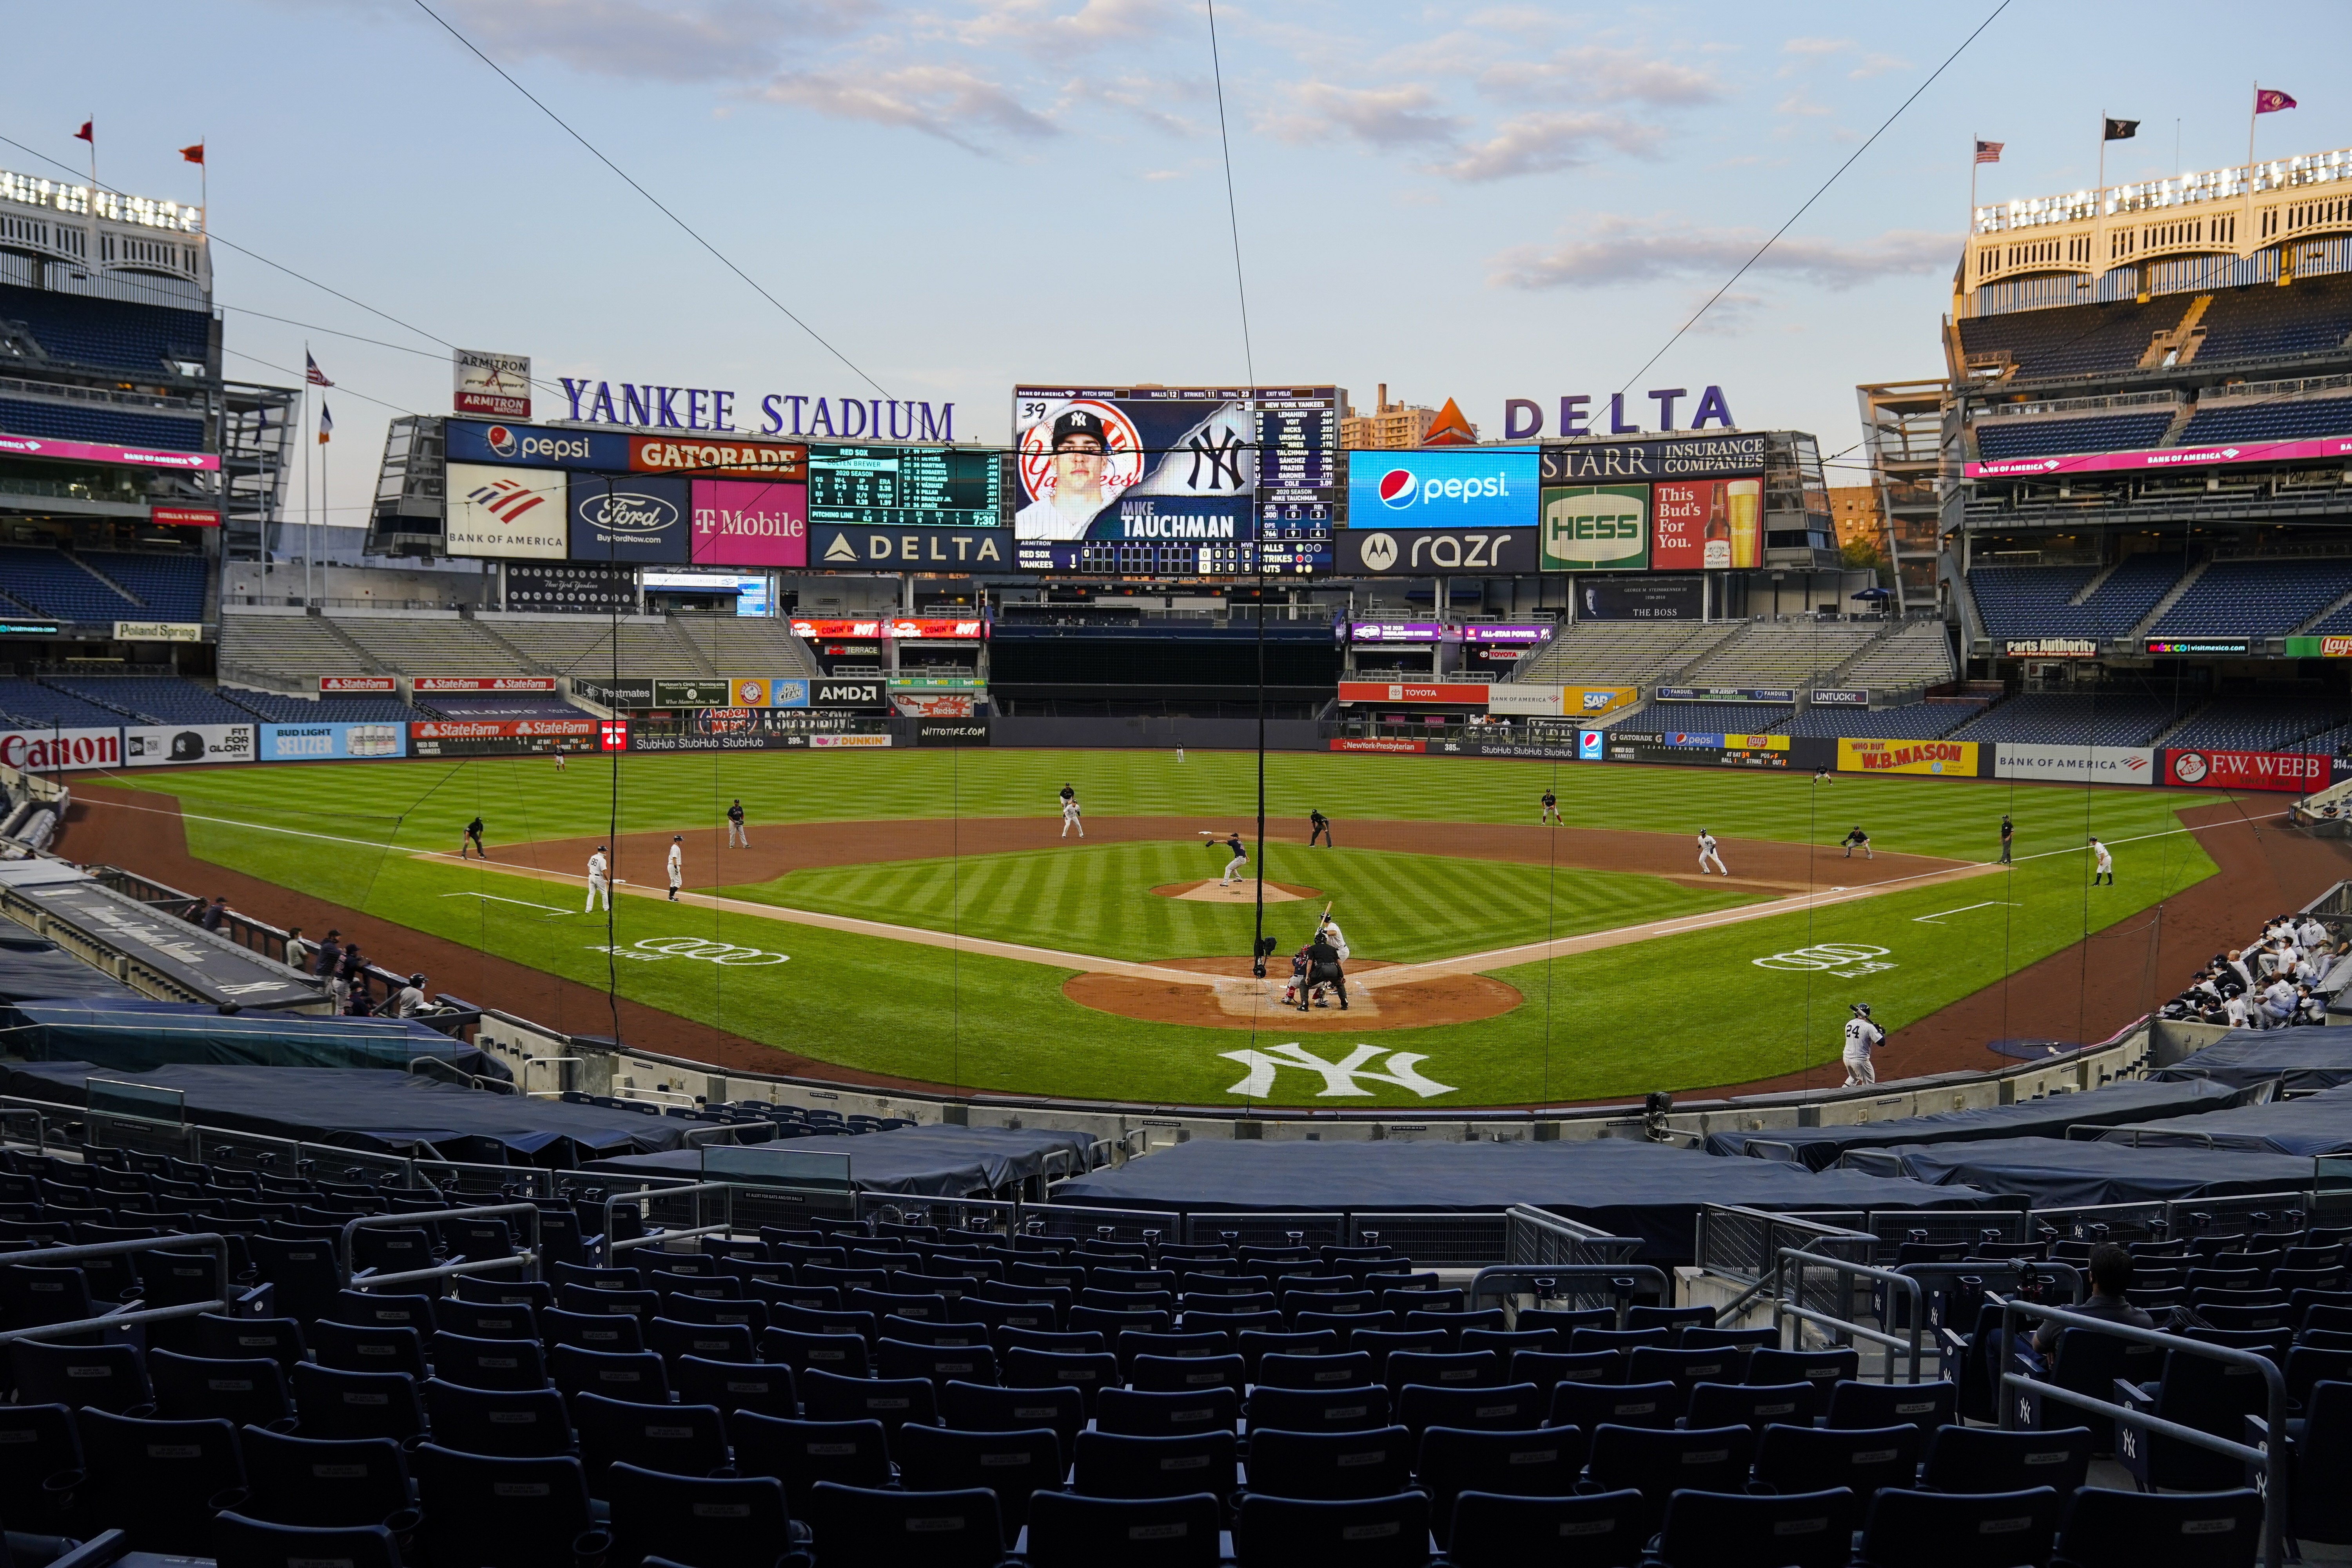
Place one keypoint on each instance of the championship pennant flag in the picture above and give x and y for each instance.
(1989, 152)
(2270, 100)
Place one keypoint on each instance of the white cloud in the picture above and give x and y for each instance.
(700, 40)
(1035, 27)
(1815, 47)
(1406, 115)
(1598, 74)
(1540, 143)
(946, 101)
(1613, 248)
(1876, 65)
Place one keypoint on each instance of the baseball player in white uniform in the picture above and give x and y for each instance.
(1070, 813)
(1862, 1037)
(2103, 869)
(677, 863)
(597, 886)
(1707, 854)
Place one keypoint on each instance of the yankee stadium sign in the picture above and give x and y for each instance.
(649, 405)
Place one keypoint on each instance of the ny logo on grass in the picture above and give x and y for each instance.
(1345, 1076)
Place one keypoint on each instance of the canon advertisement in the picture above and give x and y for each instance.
(54, 751)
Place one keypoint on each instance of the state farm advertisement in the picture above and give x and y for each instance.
(498, 729)
(51, 751)
(331, 683)
(482, 683)
(2296, 772)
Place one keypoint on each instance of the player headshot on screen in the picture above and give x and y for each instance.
(1081, 451)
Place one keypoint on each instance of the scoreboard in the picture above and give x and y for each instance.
(905, 487)
(1181, 480)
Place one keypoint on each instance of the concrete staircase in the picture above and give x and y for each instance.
(2172, 597)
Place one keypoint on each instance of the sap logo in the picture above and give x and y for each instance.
(1595, 701)
(629, 513)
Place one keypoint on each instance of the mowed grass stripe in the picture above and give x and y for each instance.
(1098, 900)
(423, 804)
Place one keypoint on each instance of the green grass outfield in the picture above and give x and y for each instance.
(1683, 1012)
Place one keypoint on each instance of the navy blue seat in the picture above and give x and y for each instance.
(1144, 1413)
(1740, 1529)
(239, 1540)
(1927, 1405)
(1658, 1463)
(1087, 1372)
(1391, 1531)
(730, 1386)
(1011, 1465)
(242, 1393)
(1793, 1458)
(349, 1347)
(1980, 1459)
(1330, 1466)
(1073, 1531)
(1903, 1528)
(1111, 1465)
(938, 1530)
(323, 1483)
(154, 1479)
(1601, 1529)
(330, 1402)
(2103, 1529)
(1514, 1408)
(696, 1521)
(484, 1512)
(643, 1376)
(893, 1401)
(1453, 1460)
(983, 1407)
(520, 1424)
(488, 1363)
(1591, 1406)
(800, 1453)
(676, 1439)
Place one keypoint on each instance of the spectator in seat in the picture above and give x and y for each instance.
(2308, 1008)
(2234, 1010)
(214, 913)
(2278, 1004)
(2111, 1276)
(2312, 932)
(409, 999)
(298, 951)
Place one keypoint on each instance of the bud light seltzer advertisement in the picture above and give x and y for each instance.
(1175, 465)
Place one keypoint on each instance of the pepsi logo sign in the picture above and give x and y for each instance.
(500, 441)
(630, 513)
(1398, 487)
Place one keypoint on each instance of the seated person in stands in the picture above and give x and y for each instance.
(2235, 959)
(2311, 934)
(2111, 1275)
(2325, 961)
(2278, 1004)
(2234, 1011)
(2308, 1008)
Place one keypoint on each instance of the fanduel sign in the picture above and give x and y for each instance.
(779, 413)
(1523, 417)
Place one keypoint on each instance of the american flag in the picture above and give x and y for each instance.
(1989, 152)
(312, 373)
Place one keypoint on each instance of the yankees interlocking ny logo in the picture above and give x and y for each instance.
(1345, 1076)
(1223, 452)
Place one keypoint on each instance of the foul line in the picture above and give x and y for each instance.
(493, 897)
(1938, 918)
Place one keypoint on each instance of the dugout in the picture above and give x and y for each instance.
(2056, 1174)
(2310, 1128)
(2301, 1061)
(135, 1034)
(939, 1161)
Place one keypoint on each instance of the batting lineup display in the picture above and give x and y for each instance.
(1177, 480)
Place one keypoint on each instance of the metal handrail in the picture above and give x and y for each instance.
(1782, 1306)
(40, 1124)
(56, 1256)
(2275, 1483)
(529, 1254)
(693, 1189)
(1630, 1274)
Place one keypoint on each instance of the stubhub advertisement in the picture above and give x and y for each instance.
(316, 742)
(1468, 487)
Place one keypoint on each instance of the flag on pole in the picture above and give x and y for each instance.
(326, 423)
(1989, 152)
(2270, 100)
(312, 373)
(88, 132)
(195, 154)
(2121, 130)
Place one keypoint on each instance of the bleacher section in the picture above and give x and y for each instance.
(2061, 719)
(2256, 598)
(171, 586)
(2032, 601)
(584, 645)
(2112, 433)
(294, 649)
(2252, 419)
(1918, 652)
(1702, 719)
(152, 700)
(428, 642)
(748, 645)
(32, 705)
(1620, 652)
(1776, 654)
(274, 709)
(62, 422)
(2259, 724)
(49, 582)
(106, 332)
(2075, 340)
(1913, 721)
(2265, 321)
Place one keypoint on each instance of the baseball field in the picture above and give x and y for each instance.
(917, 917)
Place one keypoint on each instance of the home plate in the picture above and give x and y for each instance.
(1242, 892)
(1249, 998)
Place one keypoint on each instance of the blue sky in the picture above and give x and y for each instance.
(962, 194)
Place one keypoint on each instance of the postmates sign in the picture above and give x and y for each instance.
(1954, 758)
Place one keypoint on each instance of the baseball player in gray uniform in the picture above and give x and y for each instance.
(1862, 1037)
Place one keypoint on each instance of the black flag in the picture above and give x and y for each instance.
(2121, 130)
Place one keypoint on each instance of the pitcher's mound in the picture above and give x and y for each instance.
(1242, 892)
